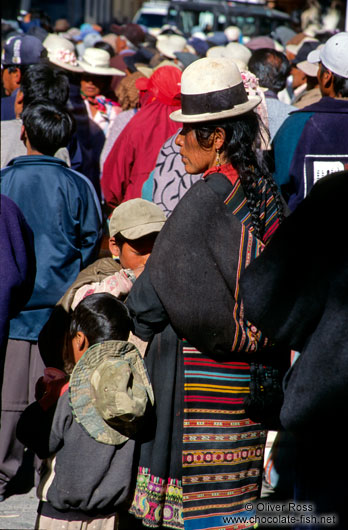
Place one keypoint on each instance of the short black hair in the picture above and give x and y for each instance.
(48, 126)
(14, 67)
(41, 81)
(271, 67)
(340, 84)
(101, 317)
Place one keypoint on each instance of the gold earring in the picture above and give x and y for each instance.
(218, 163)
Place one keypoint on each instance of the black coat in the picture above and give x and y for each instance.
(297, 293)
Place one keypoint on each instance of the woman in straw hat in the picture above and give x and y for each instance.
(96, 85)
(203, 467)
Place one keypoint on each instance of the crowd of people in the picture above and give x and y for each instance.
(173, 272)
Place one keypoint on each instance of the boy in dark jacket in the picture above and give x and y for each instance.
(83, 427)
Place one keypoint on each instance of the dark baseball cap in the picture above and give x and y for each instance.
(22, 49)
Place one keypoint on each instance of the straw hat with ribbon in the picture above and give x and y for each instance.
(212, 89)
(61, 52)
(97, 61)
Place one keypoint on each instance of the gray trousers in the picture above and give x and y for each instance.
(23, 367)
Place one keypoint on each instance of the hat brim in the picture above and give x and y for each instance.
(310, 69)
(99, 70)
(66, 66)
(164, 50)
(147, 71)
(81, 396)
(314, 56)
(141, 231)
(237, 110)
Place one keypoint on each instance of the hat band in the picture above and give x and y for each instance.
(213, 101)
(96, 64)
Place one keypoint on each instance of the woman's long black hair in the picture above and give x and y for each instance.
(243, 137)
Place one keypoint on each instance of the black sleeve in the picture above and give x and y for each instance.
(285, 289)
(34, 427)
(148, 314)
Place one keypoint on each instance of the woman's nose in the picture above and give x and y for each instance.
(179, 139)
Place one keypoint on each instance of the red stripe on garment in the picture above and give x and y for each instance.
(237, 366)
(203, 399)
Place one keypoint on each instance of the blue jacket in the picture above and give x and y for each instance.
(61, 207)
(17, 265)
(7, 106)
(312, 134)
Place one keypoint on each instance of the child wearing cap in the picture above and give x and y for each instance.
(85, 427)
(133, 228)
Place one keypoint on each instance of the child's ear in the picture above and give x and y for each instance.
(23, 136)
(82, 341)
(114, 249)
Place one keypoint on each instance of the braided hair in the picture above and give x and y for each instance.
(242, 138)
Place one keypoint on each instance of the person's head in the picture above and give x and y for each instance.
(105, 46)
(98, 318)
(129, 36)
(332, 85)
(303, 72)
(94, 85)
(97, 72)
(271, 67)
(18, 53)
(42, 82)
(163, 84)
(206, 144)
(212, 97)
(127, 93)
(46, 127)
(133, 228)
(61, 53)
(220, 126)
(333, 65)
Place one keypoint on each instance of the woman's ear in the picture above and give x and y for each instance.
(219, 138)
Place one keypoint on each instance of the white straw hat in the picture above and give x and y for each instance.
(61, 51)
(216, 52)
(212, 89)
(238, 52)
(169, 44)
(232, 33)
(97, 61)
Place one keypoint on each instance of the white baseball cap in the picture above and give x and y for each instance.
(333, 55)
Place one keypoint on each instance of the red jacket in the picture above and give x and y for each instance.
(133, 155)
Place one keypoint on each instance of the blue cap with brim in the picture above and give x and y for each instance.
(21, 49)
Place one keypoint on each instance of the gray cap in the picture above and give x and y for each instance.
(136, 218)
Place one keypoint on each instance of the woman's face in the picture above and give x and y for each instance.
(195, 158)
(92, 85)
